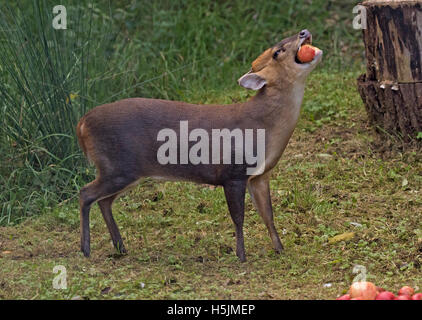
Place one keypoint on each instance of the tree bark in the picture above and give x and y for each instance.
(391, 89)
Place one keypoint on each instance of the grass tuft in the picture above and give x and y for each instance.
(187, 50)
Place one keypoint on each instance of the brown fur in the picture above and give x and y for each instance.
(120, 138)
(262, 60)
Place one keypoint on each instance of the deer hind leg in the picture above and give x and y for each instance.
(102, 188)
(105, 206)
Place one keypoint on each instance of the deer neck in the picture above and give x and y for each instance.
(278, 107)
(277, 111)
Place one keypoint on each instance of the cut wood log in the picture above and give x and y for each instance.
(391, 89)
(393, 108)
(393, 40)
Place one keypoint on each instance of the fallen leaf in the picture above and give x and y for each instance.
(324, 156)
(342, 237)
(356, 224)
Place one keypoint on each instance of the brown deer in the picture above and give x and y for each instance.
(125, 139)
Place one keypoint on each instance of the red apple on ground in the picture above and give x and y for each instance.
(385, 295)
(365, 290)
(403, 297)
(344, 297)
(417, 296)
(406, 291)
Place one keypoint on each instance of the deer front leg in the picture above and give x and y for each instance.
(235, 197)
(259, 189)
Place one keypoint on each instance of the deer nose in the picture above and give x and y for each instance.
(304, 34)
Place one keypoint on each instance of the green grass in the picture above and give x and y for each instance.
(43, 93)
(181, 50)
(336, 176)
(332, 179)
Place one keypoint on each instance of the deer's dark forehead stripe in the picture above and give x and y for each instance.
(285, 41)
(266, 56)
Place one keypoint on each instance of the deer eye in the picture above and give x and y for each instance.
(275, 55)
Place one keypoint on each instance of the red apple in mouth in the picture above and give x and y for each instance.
(307, 53)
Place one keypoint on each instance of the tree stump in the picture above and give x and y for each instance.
(391, 89)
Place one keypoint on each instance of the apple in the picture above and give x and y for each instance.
(365, 290)
(306, 53)
(403, 297)
(344, 297)
(385, 295)
(417, 296)
(358, 298)
(406, 291)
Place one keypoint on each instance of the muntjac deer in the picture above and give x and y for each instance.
(136, 138)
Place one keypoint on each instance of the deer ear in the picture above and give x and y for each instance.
(252, 81)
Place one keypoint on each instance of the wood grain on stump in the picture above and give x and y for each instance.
(392, 86)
